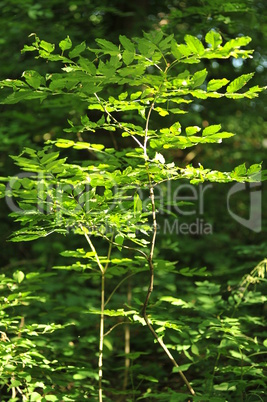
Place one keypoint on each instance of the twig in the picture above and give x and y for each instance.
(117, 122)
(126, 247)
(146, 129)
(102, 269)
(117, 287)
(114, 326)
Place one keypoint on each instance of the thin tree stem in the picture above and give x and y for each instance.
(146, 129)
(101, 338)
(93, 249)
(127, 339)
(102, 316)
(150, 289)
(102, 321)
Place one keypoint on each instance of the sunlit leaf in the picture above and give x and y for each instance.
(119, 239)
(239, 82)
(211, 129)
(33, 78)
(127, 43)
(49, 47)
(199, 77)
(213, 38)
(65, 44)
(77, 50)
(18, 276)
(214, 85)
(194, 44)
(191, 130)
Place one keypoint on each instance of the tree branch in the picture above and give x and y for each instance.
(118, 123)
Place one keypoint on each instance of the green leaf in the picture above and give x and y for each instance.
(127, 43)
(18, 276)
(134, 70)
(25, 237)
(175, 301)
(62, 143)
(199, 77)
(213, 85)
(256, 168)
(219, 136)
(65, 44)
(194, 350)
(154, 37)
(106, 69)
(35, 397)
(2, 190)
(51, 398)
(191, 130)
(49, 47)
(15, 383)
(49, 158)
(119, 239)
(239, 82)
(108, 47)
(128, 57)
(137, 204)
(87, 65)
(146, 47)
(33, 78)
(147, 378)
(194, 271)
(165, 43)
(180, 50)
(211, 129)
(162, 112)
(80, 375)
(236, 43)
(240, 170)
(214, 39)
(194, 44)
(27, 48)
(136, 95)
(183, 367)
(175, 128)
(123, 95)
(199, 93)
(23, 94)
(77, 50)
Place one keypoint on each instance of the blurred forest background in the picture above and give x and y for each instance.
(229, 253)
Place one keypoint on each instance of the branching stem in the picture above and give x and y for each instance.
(117, 287)
(102, 316)
(118, 123)
(151, 265)
(126, 247)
